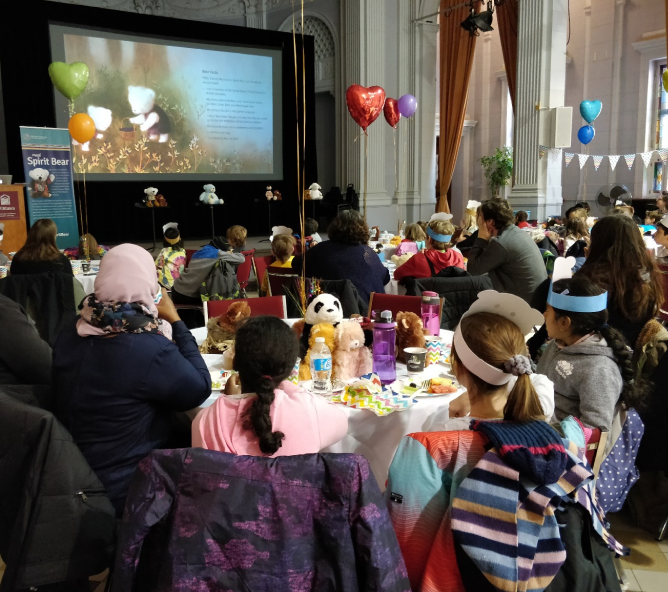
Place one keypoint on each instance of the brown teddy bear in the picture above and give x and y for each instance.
(221, 330)
(352, 359)
(161, 202)
(325, 330)
(410, 333)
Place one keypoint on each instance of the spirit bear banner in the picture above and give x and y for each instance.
(48, 169)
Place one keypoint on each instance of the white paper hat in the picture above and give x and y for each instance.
(170, 225)
(440, 216)
(279, 230)
(664, 221)
(473, 204)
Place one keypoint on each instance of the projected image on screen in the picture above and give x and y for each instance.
(163, 109)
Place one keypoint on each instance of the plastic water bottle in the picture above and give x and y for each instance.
(429, 310)
(384, 356)
(321, 366)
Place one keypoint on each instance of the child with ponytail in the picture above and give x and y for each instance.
(272, 417)
(587, 360)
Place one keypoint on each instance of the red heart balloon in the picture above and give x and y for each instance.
(391, 111)
(365, 104)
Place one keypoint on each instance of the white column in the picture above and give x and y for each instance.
(577, 147)
(256, 15)
(541, 81)
(617, 47)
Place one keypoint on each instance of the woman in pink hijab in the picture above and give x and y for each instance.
(120, 371)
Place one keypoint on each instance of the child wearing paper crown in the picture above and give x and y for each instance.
(587, 360)
(439, 253)
(413, 242)
(172, 259)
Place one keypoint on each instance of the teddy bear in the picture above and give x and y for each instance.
(352, 359)
(410, 333)
(401, 259)
(269, 194)
(315, 191)
(160, 200)
(102, 118)
(221, 330)
(41, 179)
(149, 197)
(326, 330)
(277, 195)
(150, 117)
(324, 308)
(208, 196)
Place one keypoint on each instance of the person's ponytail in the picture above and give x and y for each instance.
(523, 403)
(259, 420)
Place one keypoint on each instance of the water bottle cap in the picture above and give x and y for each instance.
(386, 315)
(427, 293)
(320, 340)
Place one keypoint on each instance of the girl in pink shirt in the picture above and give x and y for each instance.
(275, 417)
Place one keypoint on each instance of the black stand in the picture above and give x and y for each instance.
(213, 227)
(142, 206)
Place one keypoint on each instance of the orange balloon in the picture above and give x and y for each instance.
(82, 127)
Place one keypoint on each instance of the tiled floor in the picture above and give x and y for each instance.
(647, 566)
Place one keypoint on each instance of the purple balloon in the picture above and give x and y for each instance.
(407, 105)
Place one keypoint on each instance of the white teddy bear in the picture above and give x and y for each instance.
(41, 179)
(208, 196)
(149, 200)
(102, 118)
(315, 191)
(150, 117)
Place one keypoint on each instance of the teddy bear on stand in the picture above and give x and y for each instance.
(351, 359)
(209, 197)
(149, 197)
(315, 192)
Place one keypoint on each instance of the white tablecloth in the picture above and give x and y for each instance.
(376, 438)
(88, 282)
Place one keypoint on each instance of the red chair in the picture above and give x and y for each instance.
(395, 304)
(260, 265)
(274, 306)
(189, 255)
(244, 270)
(279, 283)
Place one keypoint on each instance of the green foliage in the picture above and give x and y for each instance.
(498, 168)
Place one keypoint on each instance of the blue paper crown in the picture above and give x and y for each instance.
(577, 303)
(441, 238)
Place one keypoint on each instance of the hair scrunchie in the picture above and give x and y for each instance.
(518, 365)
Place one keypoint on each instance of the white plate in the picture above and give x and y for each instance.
(337, 385)
(398, 385)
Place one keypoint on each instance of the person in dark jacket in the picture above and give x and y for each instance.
(127, 363)
(24, 357)
(40, 254)
(346, 256)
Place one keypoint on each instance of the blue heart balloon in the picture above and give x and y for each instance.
(590, 110)
(586, 134)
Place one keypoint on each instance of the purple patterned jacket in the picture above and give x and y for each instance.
(198, 520)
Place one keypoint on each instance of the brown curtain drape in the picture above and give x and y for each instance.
(507, 22)
(457, 48)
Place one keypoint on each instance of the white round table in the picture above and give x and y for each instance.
(87, 281)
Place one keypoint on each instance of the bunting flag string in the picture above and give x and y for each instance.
(597, 161)
(646, 157)
(663, 153)
(629, 158)
(614, 159)
(542, 150)
(568, 156)
(582, 158)
(554, 154)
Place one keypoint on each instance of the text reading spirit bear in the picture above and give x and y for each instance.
(150, 117)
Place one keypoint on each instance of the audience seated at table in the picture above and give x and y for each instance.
(88, 249)
(123, 367)
(618, 262)
(311, 231)
(576, 229)
(439, 254)
(414, 241)
(508, 254)
(171, 261)
(521, 219)
(40, 253)
(266, 414)
(24, 357)
(282, 247)
(346, 256)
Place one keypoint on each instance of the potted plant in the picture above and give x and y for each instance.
(498, 168)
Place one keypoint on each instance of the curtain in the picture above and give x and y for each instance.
(506, 20)
(457, 48)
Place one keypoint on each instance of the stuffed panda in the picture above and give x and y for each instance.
(150, 117)
(324, 308)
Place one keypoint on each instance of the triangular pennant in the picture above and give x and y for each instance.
(614, 159)
(646, 157)
(629, 158)
(554, 154)
(541, 151)
(582, 158)
(663, 153)
(568, 156)
(597, 161)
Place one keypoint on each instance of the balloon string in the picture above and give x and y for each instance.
(303, 164)
(396, 178)
(584, 197)
(85, 200)
(366, 168)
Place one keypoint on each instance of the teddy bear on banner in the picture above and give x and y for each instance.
(41, 179)
(150, 117)
(209, 197)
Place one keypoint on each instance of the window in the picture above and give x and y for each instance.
(661, 137)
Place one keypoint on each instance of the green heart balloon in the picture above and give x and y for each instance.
(69, 79)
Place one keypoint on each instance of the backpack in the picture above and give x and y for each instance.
(221, 283)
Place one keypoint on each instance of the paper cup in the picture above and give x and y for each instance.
(415, 359)
(294, 375)
(3, 271)
(76, 267)
(435, 346)
(85, 266)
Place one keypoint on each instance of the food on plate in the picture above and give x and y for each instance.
(410, 388)
(441, 386)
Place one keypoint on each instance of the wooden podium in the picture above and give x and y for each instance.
(13, 216)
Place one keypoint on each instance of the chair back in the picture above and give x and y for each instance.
(189, 255)
(244, 270)
(396, 304)
(596, 449)
(273, 306)
(260, 265)
(279, 282)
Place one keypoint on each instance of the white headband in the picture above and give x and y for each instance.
(477, 366)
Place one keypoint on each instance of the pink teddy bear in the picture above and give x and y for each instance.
(351, 358)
